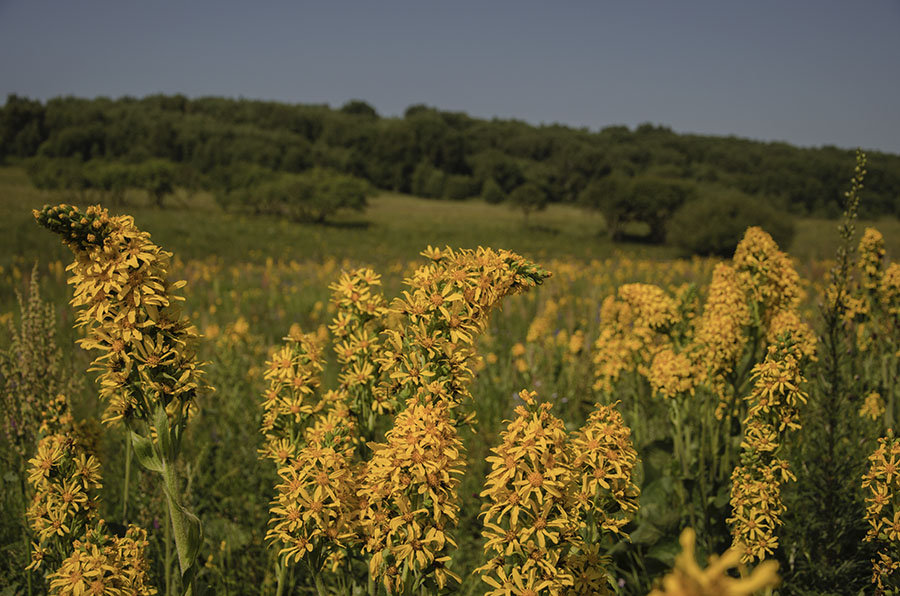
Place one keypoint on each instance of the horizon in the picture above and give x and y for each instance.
(811, 74)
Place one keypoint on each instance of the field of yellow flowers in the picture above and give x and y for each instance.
(468, 421)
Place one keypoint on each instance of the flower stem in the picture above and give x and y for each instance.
(127, 479)
(179, 522)
(168, 564)
(320, 585)
(282, 577)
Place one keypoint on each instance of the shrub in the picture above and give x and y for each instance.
(528, 198)
(713, 225)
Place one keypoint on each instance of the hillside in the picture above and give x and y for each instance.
(221, 145)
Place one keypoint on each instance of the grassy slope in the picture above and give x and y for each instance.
(395, 227)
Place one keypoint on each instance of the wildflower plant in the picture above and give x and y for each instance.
(72, 547)
(356, 328)
(101, 563)
(697, 359)
(428, 355)
(556, 503)
(31, 369)
(408, 504)
(149, 375)
(66, 485)
(881, 484)
(528, 529)
(775, 402)
(342, 495)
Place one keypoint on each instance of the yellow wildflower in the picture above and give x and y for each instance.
(688, 579)
(882, 479)
(873, 406)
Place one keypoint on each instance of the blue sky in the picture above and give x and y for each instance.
(810, 72)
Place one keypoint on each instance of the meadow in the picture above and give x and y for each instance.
(630, 327)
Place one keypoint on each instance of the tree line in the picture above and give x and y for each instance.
(251, 153)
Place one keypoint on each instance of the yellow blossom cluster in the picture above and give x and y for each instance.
(528, 527)
(105, 565)
(311, 438)
(291, 399)
(66, 482)
(864, 300)
(73, 549)
(671, 374)
(408, 499)
(720, 333)
(542, 325)
(766, 273)
(773, 410)
(412, 357)
(633, 327)
(314, 509)
(873, 406)
(129, 308)
(890, 291)
(428, 354)
(356, 329)
(555, 500)
(689, 579)
(871, 260)
(788, 322)
(603, 464)
(882, 485)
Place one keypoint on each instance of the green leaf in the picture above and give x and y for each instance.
(194, 542)
(646, 533)
(11, 477)
(187, 578)
(665, 552)
(145, 453)
(195, 535)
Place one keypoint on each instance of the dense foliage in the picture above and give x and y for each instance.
(712, 225)
(641, 175)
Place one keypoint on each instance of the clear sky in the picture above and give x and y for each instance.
(810, 72)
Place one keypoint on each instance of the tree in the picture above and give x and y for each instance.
(491, 192)
(496, 165)
(609, 195)
(311, 197)
(428, 181)
(157, 177)
(358, 107)
(21, 127)
(528, 198)
(654, 200)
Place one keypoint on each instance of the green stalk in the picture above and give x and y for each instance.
(127, 479)
(320, 585)
(168, 564)
(889, 389)
(282, 578)
(179, 522)
(23, 486)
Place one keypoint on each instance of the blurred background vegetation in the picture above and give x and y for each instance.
(309, 162)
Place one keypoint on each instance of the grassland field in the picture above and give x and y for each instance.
(251, 277)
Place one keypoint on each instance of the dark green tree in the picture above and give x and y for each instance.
(528, 198)
(714, 224)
